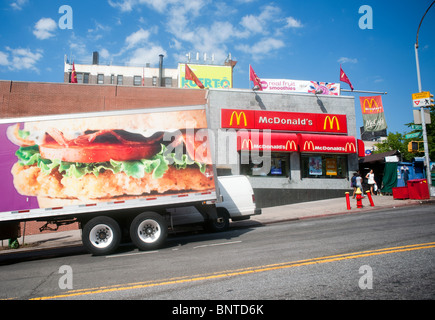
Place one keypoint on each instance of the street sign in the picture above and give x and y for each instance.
(416, 127)
(421, 99)
(413, 135)
(420, 95)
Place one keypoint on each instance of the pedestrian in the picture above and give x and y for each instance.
(353, 184)
(405, 174)
(371, 180)
(358, 180)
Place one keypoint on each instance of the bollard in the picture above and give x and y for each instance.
(358, 193)
(369, 195)
(347, 200)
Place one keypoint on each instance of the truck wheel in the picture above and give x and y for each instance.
(101, 235)
(222, 223)
(148, 231)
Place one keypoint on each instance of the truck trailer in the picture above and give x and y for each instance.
(116, 172)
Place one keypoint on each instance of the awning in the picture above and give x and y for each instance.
(284, 142)
(321, 143)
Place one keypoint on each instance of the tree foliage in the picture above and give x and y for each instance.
(397, 141)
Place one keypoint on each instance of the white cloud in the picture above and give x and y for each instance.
(260, 23)
(141, 56)
(20, 59)
(4, 59)
(292, 23)
(44, 28)
(262, 48)
(137, 37)
(129, 5)
(347, 60)
(18, 4)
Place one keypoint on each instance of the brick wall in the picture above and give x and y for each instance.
(25, 99)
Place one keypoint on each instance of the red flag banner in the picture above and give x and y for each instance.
(73, 74)
(344, 78)
(189, 75)
(253, 77)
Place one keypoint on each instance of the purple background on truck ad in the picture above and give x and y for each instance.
(11, 199)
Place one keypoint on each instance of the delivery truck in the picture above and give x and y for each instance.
(117, 172)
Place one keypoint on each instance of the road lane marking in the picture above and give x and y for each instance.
(216, 244)
(242, 271)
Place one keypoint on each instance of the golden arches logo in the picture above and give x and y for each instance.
(308, 145)
(331, 122)
(247, 143)
(370, 103)
(291, 145)
(238, 118)
(350, 146)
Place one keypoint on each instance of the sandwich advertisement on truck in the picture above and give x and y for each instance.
(88, 160)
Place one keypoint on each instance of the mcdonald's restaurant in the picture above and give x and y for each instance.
(294, 147)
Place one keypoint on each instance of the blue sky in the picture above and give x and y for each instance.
(288, 39)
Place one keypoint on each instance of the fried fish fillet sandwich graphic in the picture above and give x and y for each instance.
(108, 164)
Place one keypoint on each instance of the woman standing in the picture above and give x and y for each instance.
(371, 180)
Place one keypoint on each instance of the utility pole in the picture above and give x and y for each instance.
(423, 122)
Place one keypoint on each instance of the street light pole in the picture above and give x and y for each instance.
(423, 122)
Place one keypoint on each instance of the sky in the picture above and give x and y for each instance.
(373, 41)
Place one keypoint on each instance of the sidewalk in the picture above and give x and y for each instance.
(298, 211)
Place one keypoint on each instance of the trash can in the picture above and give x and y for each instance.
(400, 193)
(418, 189)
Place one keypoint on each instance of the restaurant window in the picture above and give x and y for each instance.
(323, 166)
(137, 80)
(154, 81)
(274, 164)
(112, 79)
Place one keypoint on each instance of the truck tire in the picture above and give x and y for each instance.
(101, 235)
(148, 231)
(222, 223)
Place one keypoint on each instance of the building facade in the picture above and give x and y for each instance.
(147, 76)
(293, 147)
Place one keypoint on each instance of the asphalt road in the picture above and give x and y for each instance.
(387, 254)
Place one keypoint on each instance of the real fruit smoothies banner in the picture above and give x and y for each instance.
(56, 163)
(284, 85)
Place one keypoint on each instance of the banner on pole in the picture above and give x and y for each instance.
(373, 113)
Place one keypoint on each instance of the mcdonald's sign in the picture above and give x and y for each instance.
(371, 104)
(291, 146)
(350, 147)
(336, 123)
(308, 146)
(239, 119)
(331, 122)
(283, 121)
(247, 144)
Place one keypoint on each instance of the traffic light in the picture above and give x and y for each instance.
(413, 146)
(431, 101)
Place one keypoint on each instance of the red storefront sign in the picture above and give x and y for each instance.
(284, 121)
(317, 143)
(277, 142)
